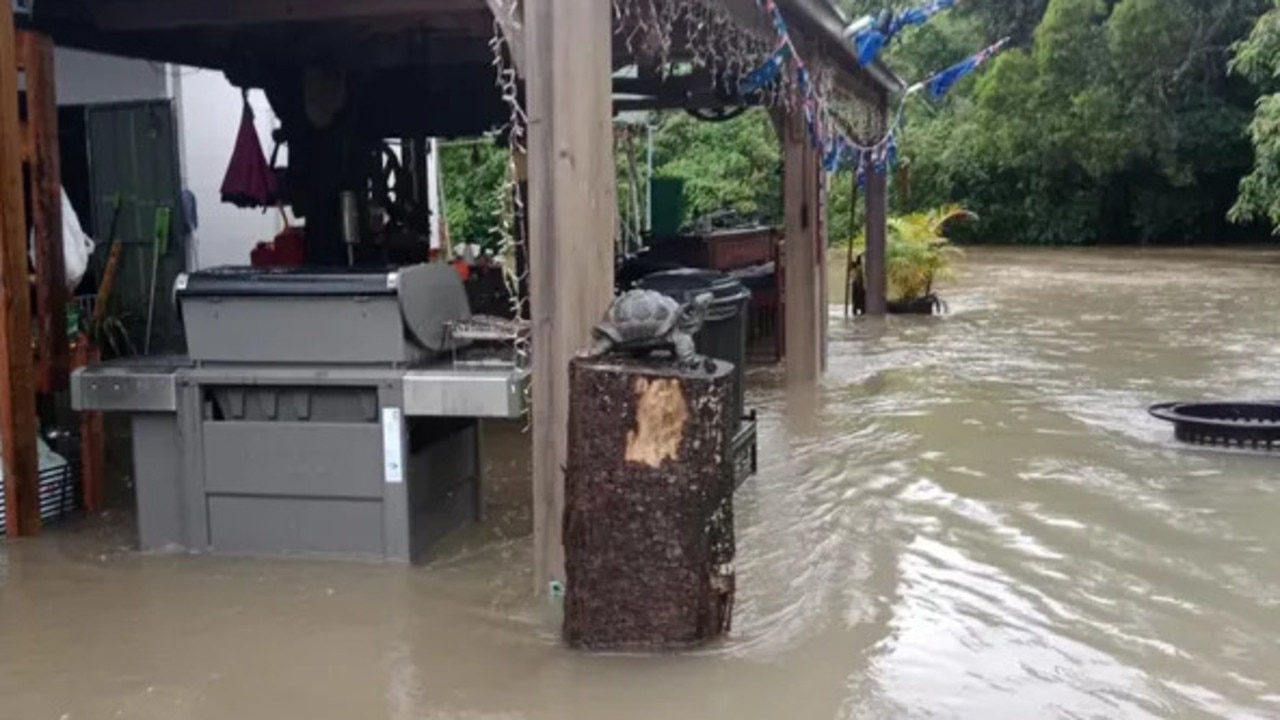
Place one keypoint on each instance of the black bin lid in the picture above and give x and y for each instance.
(687, 283)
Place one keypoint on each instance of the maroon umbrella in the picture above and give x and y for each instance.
(249, 182)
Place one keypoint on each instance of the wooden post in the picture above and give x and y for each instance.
(92, 439)
(820, 247)
(35, 53)
(853, 235)
(803, 307)
(873, 266)
(17, 378)
(571, 231)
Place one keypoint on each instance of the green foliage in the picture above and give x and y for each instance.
(1118, 123)
(1258, 59)
(917, 252)
(733, 165)
(473, 174)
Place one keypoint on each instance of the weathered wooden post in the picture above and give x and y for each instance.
(568, 69)
(874, 262)
(873, 266)
(17, 372)
(35, 55)
(804, 307)
(648, 522)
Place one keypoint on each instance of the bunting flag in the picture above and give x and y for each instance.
(941, 84)
(767, 72)
(835, 153)
(771, 69)
(879, 31)
(838, 151)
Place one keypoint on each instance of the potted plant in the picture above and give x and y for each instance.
(917, 254)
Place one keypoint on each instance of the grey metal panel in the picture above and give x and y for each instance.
(158, 482)
(268, 526)
(432, 295)
(195, 512)
(296, 330)
(294, 459)
(397, 525)
(444, 479)
(291, 403)
(117, 389)
(433, 524)
(465, 392)
(446, 462)
(301, 376)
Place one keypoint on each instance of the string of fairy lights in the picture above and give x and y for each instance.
(511, 201)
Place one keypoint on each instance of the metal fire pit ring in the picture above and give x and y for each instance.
(1223, 424)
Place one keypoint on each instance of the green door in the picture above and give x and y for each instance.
(133, 154)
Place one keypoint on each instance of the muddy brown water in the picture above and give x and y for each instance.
(972, 518)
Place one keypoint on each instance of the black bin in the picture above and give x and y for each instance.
(724, 334)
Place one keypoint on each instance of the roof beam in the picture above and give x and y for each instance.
(141, 15)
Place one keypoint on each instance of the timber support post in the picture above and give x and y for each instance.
(873, 265)
(40, 134)
(874, 268)
(852, 303)
(17, 375)
(820, 247)
(568, 48)
(804, 309)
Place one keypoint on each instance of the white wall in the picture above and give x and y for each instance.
(209, 111)
(86, 78)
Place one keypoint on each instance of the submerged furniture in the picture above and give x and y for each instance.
(317, 412)
(1239, 424)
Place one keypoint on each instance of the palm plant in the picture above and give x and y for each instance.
(917, 252)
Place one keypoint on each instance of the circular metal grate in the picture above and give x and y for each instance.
(1224, 424)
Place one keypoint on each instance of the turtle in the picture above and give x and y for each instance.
(641, 321)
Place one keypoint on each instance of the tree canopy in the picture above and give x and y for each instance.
(1115, 122)
(1257, 58)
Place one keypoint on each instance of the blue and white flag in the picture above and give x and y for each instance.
(879, 31)
(941, 84)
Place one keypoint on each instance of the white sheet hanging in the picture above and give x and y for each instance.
(77, 246)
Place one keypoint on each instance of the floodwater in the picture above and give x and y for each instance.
(973, 518)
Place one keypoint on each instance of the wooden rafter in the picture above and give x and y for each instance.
(149, 15)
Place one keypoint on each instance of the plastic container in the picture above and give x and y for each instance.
(724, 334)
(668, 205)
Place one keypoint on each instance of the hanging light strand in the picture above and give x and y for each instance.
(513, 243)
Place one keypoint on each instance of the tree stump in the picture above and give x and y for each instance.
(648, 522)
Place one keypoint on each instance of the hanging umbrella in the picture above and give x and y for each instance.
(249, 182)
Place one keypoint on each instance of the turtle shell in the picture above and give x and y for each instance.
(643, 314)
